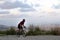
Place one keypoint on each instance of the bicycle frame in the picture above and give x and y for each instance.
(21, 32)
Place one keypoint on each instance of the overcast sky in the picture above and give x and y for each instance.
(34, 11)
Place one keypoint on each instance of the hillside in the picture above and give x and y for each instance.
(3, 27)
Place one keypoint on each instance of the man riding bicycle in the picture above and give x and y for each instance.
(21, 26)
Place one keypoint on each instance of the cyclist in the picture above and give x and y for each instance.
(21, 26)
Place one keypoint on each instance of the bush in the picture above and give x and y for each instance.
(2, 32)
(55, 31)
(34, 30)
(11, 31)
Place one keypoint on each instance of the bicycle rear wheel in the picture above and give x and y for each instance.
(21, 32)
(18, 33)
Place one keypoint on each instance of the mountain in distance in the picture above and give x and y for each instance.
(4, 27)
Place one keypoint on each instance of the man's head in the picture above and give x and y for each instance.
(23, 20)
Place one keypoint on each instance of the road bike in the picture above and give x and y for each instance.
(21, 32)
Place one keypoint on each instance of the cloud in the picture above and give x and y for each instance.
(8, 0)
(15, 16)
(10, 5)
(56, 6)
(1, 0)
(9, 21)
(27, 9)
(24, 7)
(4, 12)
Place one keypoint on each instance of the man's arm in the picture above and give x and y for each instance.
(23, 26)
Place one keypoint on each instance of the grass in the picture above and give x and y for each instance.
(33, 31)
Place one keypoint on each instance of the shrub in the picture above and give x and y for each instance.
(55, 31)
(11, 31)
(34, 30)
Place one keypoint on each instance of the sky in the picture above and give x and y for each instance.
(34, 11)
